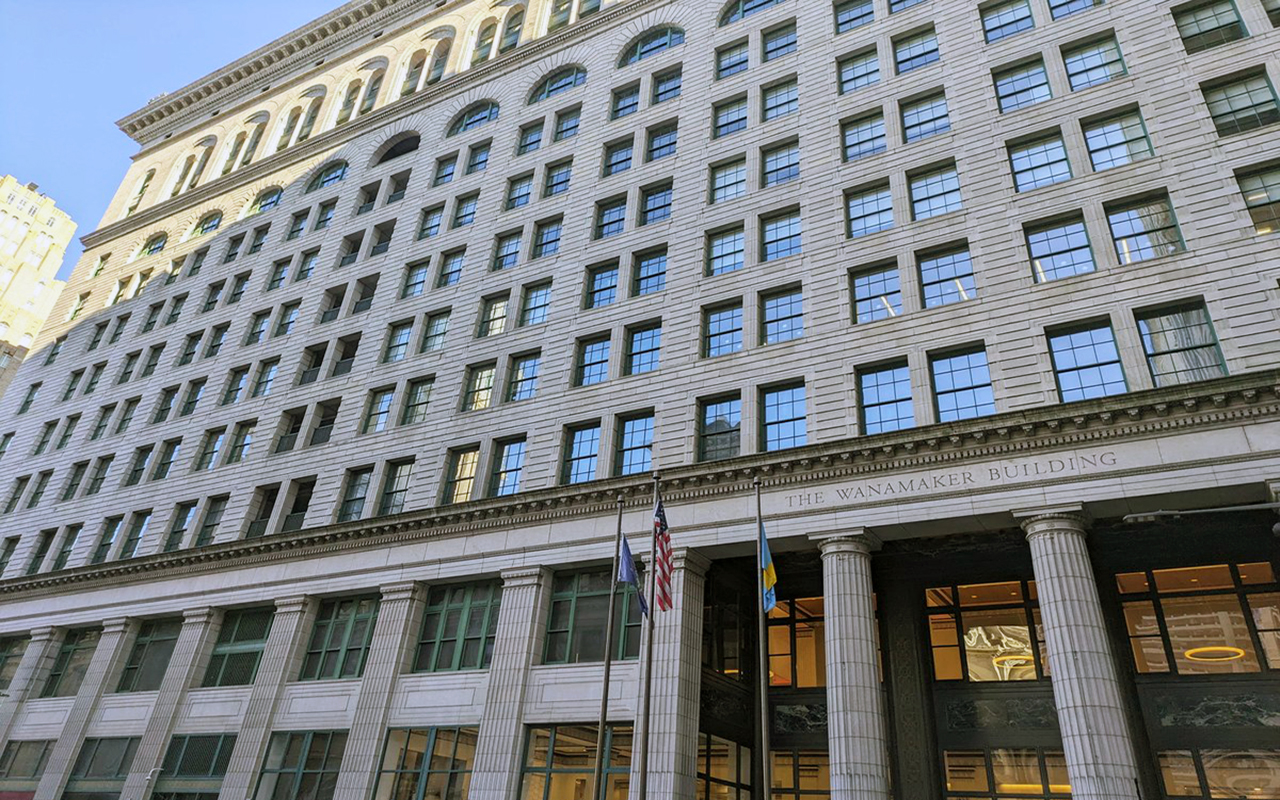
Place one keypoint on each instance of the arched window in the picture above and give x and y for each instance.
(371, 92)
(562, 80)
(207, 224)
(512, 30)
(266, 200)
(650, 43)
(348, 106)
(402, 146)
(741, 9)
(194, 165)
(316, 95)
(257, 128)
(288, 128)
(439, 61)
(328, 175)
(562, 12)
(474, 116)
(484, 43)
(143, 184)
(413, 73)
(154, 245)
(233, 151)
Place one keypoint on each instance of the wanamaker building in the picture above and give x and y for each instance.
(308, 488)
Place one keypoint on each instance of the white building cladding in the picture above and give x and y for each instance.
(319, 452)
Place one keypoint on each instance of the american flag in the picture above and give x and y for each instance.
(662, 548)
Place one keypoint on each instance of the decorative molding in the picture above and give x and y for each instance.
(1032, 431)
(858, 541)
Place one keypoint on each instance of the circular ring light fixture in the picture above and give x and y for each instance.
(1214, 654)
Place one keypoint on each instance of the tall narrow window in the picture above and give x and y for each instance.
(582, 452)
(508, 467)
(635, 445)
(720, 428)
(783, 418)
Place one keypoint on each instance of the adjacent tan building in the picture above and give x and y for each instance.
(310, 488)
(34, 234)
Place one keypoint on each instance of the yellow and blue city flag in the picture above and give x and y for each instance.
(770, 576)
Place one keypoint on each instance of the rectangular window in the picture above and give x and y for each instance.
(720, 428)
(144, 669)
(962, 385)
(946, 277)
(1086, 363)
(101, 763)
(1064, 8)
(1242, 104)
(617, 158)
(303, 763)
(213, 440)
(1094, 63)
(869, 210)
(1261, 190)
(459, 626)
(567, 124)
(493, 316)
(522, 377)
(1206, 25)
(852, 14)
(439, 758)
(508, 467)
(445, 168)
(918, 50)
(666, 85)
(581, 453)
(649, 274)
(935, 192)
(611, 217)
(430, 221)
(464, 209)
(626, 101)
(71, 663)
(479, 390)
(722, 330)
(732, 59)
(395, 488)
(536, 305)
(417, 401)
(546, 238)
(783, 418)
(1180, 344)
(877, 293)
(576, 624)
(378, 411)
(1022, 86)
(477, 160)
(864, 136)
(859, 70)
(530, 138)
(519, 191)
(1117, 140)
(781, 100)
(1059, 249)
(354, 494)
(780, 236)
(571, 756)
(1144, 229)
(635, 445)
(1005, 19)
(415, 279)
(925, 117)
(1040, 162)
(728, 181)
(655, 204)
(781, 165)
(451, 268)
(730, 117)
(726, 251)
(782, 315)
(884, 395)
(593, 362)
(213, 512)
(602, 286)
(779, 42)
(662, 142)
(461, 477)
(557, 178)
(24, 761)
(643, 349)
(325, 215)
(340, 640)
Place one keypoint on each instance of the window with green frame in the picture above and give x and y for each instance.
(238, 651)
(458, 627)
(100, 768)
(149, 658)
(194, 767)
(575, 626)
(71, 662)
(340, 639)
(22, 763)
(559, 761)
(11, 651)
(427, 763)
(301, 764)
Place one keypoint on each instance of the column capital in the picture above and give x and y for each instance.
(45, 633)
(689, 559)
(849, 540)
(115, 625)
(292, 605)
(523, 576)
(400, 591)
(1070, 517)
(198, 616)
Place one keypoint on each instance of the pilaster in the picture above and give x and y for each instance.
(677, 684)
(289, 628)
(1086, 684)
(104, 667)
(517, 647)
(198, 625)
(856, 729)
(384, 663)
(42, 649)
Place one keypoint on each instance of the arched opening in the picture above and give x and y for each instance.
(484, 43)
(439, 61)
(266, 200)
(207, 224)
(413, 73)
(328, 175)
(512, 30)
(562, 80)
(153, 245)
(401, 145)
(139, 192)
(474, 116)
(348, 107)
(650, 43)
(741, 9)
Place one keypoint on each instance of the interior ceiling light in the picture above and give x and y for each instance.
(1214, 653)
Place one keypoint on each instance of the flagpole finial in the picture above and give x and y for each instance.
(656, 477)
(757, 482)
(620, 500)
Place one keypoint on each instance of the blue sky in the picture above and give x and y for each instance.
(90, 62)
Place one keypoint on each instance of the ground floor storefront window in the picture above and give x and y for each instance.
(559, 761)
(1006, 772)
(1221, 772)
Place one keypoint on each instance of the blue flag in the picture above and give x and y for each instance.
(769, 578)
(627, 574)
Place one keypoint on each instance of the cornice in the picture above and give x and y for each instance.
(1140, 415)
(331, 139)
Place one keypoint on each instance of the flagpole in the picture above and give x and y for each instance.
(766, 766)
(601, 756)
(645, 703)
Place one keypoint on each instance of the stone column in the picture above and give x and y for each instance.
(198, 625)
(859, 749)
(384, 664)
(677, 684)
(42, 649)
(104, 667)
(290, 628)
(522, 625)
(1086, 684)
